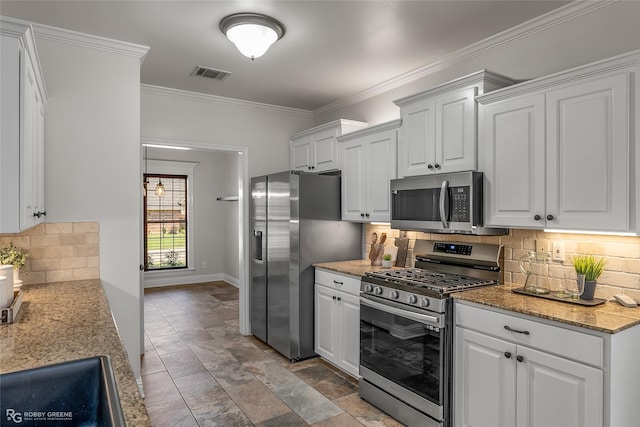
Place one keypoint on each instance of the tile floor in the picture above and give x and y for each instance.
(199, 371)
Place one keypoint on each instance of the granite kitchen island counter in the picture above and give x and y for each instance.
(66, 321)
(609, 317)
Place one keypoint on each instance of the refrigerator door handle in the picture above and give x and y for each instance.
(257, 245)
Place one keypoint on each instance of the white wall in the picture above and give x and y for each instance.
(580, 37)
(215, 223)
(264, 130)
(92, 164)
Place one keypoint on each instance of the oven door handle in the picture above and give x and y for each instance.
(418, 317)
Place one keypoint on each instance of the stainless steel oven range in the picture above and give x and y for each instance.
(406, 328)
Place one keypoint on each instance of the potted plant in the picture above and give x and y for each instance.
(591, 267)
(386, 260)
(13, 255)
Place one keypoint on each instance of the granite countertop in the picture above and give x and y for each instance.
(609, 317)
(355, 267)
(65, 321)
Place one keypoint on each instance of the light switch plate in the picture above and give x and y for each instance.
(558, 251)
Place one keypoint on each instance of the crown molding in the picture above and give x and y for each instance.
(88, 40)
(563, 14)
(203, 97)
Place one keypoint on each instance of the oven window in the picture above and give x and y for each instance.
(416, 205)
(403, 351)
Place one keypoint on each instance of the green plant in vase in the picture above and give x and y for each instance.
(591, 267)
(13, 255)
(386, 260)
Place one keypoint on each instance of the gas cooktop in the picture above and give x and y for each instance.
(426, 281)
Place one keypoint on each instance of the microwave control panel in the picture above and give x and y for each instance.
(460, 204)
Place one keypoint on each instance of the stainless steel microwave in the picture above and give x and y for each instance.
(440, 203)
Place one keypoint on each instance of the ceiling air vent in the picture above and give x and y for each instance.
(210, 73)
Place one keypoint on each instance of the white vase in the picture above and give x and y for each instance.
(7, 270)
(6, 292)
(16, 277)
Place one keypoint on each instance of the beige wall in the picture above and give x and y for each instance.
(60, 251)
(622, 254)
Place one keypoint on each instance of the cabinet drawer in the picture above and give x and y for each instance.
(564, 342)
(342, 282)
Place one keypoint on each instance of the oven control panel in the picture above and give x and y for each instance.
(452, 248)
(424, 302)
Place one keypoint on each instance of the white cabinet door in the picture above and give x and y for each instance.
(485, 381)
(512, 156)
(350, 334)
(556, 392)
(455, 142)
(302, 154)
(381, 167)
(417, 138)
(29, 150)
(327, 322)
(325, 148)
(588, 155)
(354, 180)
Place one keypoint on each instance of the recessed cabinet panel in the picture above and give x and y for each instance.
(369, 161)
(353, 181)
(22, 131)
(455, 132)
(301, 155)
(484, 387)
(326, 153)
(512, 157)
(588, 154)
(553, 391)
(418, 138)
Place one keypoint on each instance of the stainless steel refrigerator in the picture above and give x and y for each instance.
(295, 222)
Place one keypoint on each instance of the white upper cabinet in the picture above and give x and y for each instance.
(316, 149)
(438, 132)
(368, 161)
(559, 152)
(22, 99)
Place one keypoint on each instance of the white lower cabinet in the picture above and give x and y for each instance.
(337, 320)
(531, 374)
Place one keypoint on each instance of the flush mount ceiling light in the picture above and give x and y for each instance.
(252, 33)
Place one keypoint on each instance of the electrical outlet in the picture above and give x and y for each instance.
(558, 251)
(204, 264)
(542, 245)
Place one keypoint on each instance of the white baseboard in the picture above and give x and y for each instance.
(186, 279)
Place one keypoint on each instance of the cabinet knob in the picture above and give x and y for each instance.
(437, 166)
(549, 217)
(537, 217)
(367, 215)
(361, 214)
(339, 298)
(313, 167)
(333, 297)
(507, 355)
(430, 166)
(519, 358)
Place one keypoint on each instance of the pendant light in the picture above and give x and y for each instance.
(252, 33)
(159, 188)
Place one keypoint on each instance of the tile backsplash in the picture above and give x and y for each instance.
(60, 251)
(622, 255)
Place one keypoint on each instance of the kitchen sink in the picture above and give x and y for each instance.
(80, 392)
